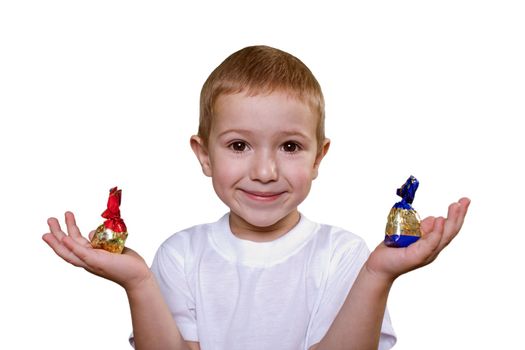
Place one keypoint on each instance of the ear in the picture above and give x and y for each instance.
(201, 151)
(320, 155)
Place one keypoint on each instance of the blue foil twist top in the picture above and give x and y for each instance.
(407, 192)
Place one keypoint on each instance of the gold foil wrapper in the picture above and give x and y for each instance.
(403, 222)
(109, 240)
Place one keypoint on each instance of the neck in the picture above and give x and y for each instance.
(245, 230)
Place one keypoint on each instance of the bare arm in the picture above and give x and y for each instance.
(153, 325)
(358, 323)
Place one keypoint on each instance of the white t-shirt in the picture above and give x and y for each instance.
(228, 293)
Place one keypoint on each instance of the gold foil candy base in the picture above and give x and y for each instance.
(107, 239)
(403, 222)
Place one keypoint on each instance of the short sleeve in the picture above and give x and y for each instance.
(169, 268)
(347, 255)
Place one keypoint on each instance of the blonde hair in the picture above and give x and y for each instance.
(260, 69)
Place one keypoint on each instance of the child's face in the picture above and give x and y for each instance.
(262, 156)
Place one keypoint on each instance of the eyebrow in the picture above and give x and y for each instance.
(237, 131)
(249, 132)
(294, 133)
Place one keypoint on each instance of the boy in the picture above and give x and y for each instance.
(263, 276)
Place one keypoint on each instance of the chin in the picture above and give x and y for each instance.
(262, 219)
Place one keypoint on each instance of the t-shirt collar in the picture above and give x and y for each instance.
(260, 254)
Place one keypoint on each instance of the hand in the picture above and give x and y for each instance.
(127, 269)
(389, 263)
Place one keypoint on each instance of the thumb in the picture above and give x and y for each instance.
(427, 225)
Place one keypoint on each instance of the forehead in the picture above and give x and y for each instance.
(270, 110)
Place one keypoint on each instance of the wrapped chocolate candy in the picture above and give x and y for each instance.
(112, 234)
(403, 223)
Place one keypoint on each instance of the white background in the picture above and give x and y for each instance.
(95, 94)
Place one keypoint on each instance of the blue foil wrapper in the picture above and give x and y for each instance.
(403, 223)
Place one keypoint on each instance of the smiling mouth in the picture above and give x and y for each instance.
(263, 196)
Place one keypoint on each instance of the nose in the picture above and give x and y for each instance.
(264, 167)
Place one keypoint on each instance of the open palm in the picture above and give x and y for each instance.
(437, 233)
(127, 269)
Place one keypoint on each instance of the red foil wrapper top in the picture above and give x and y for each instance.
(114, 222)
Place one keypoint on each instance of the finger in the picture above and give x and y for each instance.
(465, 203)
(427, 225)
(61, 250)
(451, 224)
(438, 231)
(427, 248)
(457, 211)
(71, 224)
(55, 229)
(73, 230)
(455, 218)
(91, 234)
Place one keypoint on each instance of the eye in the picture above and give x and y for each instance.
(238, 146)
(290, 147)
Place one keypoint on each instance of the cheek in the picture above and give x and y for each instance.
(225, 173)
(300, 174)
